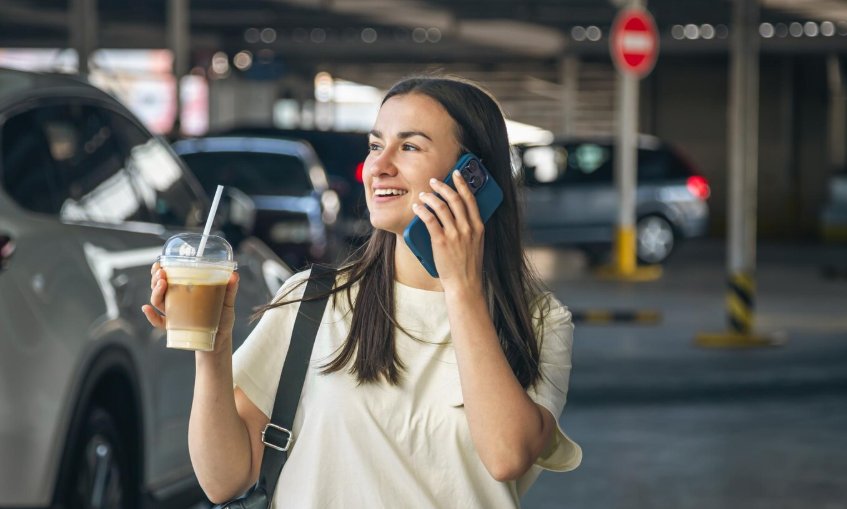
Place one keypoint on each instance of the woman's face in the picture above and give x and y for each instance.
(412, 141)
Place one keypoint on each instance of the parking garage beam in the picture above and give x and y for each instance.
(743, 144)
(83, 29)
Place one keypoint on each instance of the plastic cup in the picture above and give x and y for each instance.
(196, 289)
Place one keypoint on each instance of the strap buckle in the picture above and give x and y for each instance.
(274, 446)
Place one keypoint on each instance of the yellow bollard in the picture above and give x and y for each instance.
(624, 261)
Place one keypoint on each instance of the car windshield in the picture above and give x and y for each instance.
(252, 173)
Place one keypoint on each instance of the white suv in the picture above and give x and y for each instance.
(93, 408)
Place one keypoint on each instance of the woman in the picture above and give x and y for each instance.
(422, 392)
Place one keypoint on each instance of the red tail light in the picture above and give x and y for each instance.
(698, 186)
(359, 169)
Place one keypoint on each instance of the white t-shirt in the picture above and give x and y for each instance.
(387, 447)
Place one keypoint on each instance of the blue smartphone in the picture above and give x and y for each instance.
(488, 197)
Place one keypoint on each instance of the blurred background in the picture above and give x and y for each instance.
(719, 379)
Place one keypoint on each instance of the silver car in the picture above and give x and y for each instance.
(93, 407)
(570, 197)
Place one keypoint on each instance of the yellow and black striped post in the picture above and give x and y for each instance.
(740, 308)
(740, 299)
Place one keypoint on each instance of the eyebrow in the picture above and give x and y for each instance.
(402, 135)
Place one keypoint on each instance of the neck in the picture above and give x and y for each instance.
(409, 271)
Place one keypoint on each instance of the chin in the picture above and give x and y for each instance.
(390, 225)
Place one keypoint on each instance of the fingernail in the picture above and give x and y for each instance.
(432, 181)
(422, 193)
(457, 174)
(414, 205)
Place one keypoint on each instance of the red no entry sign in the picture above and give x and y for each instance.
(634, 42)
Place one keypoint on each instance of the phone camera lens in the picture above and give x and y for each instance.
(473, 166)
(466, 175)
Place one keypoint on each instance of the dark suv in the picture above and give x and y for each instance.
(570, 196)
(93, 407)
(342, 155)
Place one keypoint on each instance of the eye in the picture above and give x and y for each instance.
(407, 146)
(373, 146)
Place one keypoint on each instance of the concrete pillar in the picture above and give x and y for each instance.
(743, 144)
(569, 69)
(83, 28)
(837, 132)
(743, 139)
(179, 44)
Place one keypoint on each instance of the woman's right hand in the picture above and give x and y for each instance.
(159, 287)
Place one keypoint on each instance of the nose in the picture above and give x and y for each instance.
(383, 165)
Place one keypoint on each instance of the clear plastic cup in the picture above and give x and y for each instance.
(196, 289)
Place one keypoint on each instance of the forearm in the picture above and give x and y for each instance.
(217, 437)
(505, 424)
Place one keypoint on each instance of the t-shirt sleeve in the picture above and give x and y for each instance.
(257, 364)
(562, 454)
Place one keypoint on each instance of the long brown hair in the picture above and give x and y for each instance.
(512, 288)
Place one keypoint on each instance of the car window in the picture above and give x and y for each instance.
(573, 163)
(158, 176)
(660, 164)
(253, 173)
(27, 165)
(76, 160)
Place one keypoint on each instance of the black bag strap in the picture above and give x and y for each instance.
(293, 376)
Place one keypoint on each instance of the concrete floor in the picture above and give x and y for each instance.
(665, 424)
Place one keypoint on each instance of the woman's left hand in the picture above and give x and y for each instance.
(457, 242)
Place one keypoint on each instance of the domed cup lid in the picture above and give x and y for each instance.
(181, 250)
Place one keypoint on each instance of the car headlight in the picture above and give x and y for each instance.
(331, 206)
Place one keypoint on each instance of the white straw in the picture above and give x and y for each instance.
(210, 220)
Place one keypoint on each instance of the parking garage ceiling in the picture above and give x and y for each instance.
(401, 30)
(514, 47)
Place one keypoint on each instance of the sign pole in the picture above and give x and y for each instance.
(626, 171)
(634, 45)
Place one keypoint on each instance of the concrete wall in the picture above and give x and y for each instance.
(685, 102)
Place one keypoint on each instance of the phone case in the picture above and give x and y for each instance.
(488, 198)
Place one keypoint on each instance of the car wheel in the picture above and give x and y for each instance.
(101, 477)
(655, 239)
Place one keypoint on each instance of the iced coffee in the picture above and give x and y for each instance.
(196, 288)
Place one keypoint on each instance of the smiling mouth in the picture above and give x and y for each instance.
(389, 192)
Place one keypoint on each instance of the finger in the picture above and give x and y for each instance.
(468, 197)
(429, 220)
(155, 268)
(456, 203)
(157, 298)
(155, 319)
(441, 210)
(160, 274)
(231, 290)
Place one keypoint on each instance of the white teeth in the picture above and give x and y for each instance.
(389, 192)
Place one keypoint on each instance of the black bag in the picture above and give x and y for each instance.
(277, 436)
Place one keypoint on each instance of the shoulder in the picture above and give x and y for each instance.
(548, 312)
(293, 288)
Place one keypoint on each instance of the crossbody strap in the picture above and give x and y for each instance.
(277, 435)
